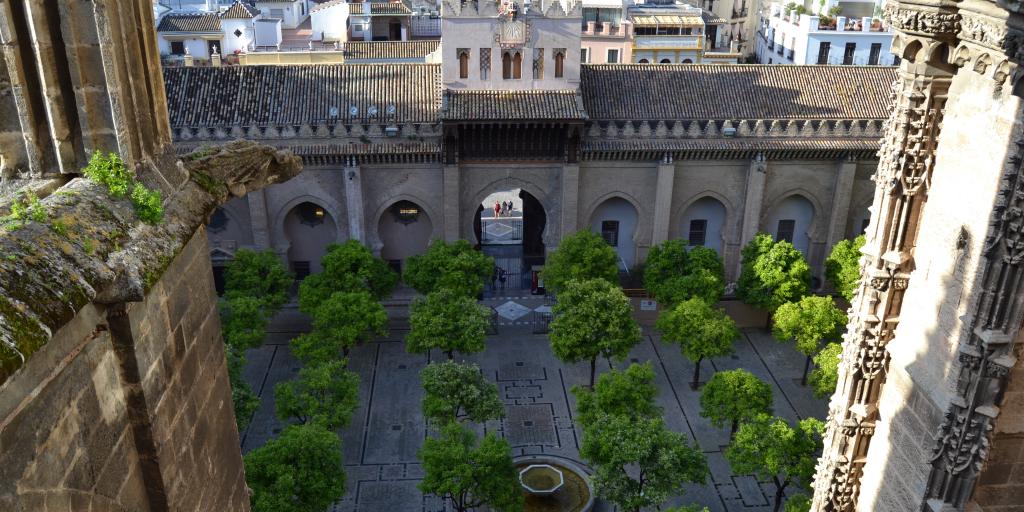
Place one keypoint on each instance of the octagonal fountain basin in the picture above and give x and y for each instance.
(541, 479)
(552, 484)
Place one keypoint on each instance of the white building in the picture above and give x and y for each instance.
(669, 32)
(329, 21)
(792, 38)
(291, 12)
(379, 21)
(202, 33)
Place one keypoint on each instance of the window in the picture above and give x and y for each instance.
(895, 60)
(848, 53)
(644, 61)
(785, 231)
(485, 63)
(876, 51)
(506, 66)
(687, 61)
(665, 61)
(559, 62)
(613, 56)
(538, 63)
(517, 66)
(177, 47)
(463, 54)
(277, 14)
(584, 55)
(698, 231)
(823, 50)
(213, 47)
(610, 232)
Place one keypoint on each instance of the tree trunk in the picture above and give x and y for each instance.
(451, 354)
(779, 490)
(735, 426)
(593, 370)
(696, 374)
(807, 366)
(344, 351)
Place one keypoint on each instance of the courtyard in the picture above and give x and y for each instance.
(381, 442)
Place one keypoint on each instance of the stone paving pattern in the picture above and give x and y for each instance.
(387, 429)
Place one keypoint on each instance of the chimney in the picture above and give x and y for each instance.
(865, 24)
(840, 23)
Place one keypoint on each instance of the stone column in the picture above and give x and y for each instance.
(354, 200)
(258, 217)
(906, 161)
(663, 200)
(753, 199)
(842, 192)
(570, 198)
(451, 191)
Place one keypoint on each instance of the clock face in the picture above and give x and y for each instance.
(372, 110)
(353, 111)
(391, 110)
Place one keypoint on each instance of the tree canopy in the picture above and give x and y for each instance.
(799, 502)
(700, 330)
(639, 462)
(244, 401)
(810, 322)
(326, 393)
(300, 471)
(592, 319)
(470, 473)
(771, 449)
(772, 273)
(243, 321)
(259, 275)
(674, 273)
(447, 320)
(825, 375)
(347, 267)
(580, 256)
(842, 267)
(341, 322)
(452, 389)
(455, 266)
(630, 392)
(733, 396)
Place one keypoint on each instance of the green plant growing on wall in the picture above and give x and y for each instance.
(109, 170)
(24, 209)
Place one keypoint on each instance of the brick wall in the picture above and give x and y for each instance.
(127, 412)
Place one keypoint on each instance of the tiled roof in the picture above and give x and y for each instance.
(322, 94)
(666, 19)
(507, 105)
(380, 8)
(240, 10)
(190, 22)
(739, 143)
(325, 5)
(390, 49)
(726, 91)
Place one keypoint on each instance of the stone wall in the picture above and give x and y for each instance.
(127, 413)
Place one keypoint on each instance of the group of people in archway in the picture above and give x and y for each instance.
(503, 208)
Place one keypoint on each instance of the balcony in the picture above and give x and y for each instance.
(669, 42)
(604, 29)
(742, 13)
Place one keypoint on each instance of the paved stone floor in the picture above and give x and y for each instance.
(386, 431)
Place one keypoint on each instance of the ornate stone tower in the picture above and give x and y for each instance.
(511, 44)
(928, 414)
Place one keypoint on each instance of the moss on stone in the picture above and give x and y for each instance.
(210, 184)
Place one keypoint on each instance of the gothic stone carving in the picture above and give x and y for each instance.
(934, 23)
(902, 183)
(962, 443)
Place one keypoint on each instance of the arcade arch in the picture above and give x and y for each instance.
(791, 220)
(616, 219)
(703, 222)
(309, 229)
(404, 229)
(509, 226)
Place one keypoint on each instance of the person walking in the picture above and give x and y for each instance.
(497, 209)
